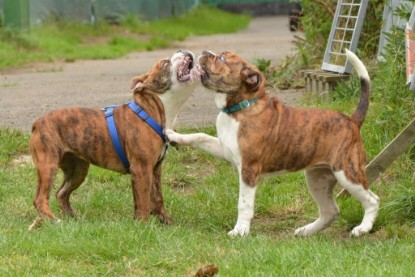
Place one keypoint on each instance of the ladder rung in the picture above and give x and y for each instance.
(348, 16)
(344, 29)
(350, 4)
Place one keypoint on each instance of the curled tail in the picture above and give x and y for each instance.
(360, 114)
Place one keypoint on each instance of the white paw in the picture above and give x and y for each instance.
(173, 136)
(169, 132)
(239, 230)
(360, 230)
(305, 231)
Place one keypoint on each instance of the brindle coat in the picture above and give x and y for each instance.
(269, 137)
(73, 138)
(299, 137)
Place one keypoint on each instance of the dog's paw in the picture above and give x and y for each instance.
(173, 137)
(239, 230)
(360, 230)
(165, 219)
(305, 231)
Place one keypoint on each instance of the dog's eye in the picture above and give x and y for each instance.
(222, 58)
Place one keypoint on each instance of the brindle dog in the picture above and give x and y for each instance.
(260, 136)
(73, 138)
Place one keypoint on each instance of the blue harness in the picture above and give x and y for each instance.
(140, 112)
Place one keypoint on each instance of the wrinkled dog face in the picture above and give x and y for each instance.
(169, 74)
(182, 65)
(185, 72)
(229, 73)
(158, 79)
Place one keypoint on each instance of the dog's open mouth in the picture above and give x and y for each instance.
(183, 70)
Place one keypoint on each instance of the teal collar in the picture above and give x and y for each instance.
(240, 106)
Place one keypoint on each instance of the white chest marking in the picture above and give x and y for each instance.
(173, 101)
(227, 128)
(220, 100)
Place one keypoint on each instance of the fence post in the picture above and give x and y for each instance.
(16, 13)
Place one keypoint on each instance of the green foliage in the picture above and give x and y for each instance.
(402, 205)
(392, 107)
(317, 30)
(58, 40)
(312, 44)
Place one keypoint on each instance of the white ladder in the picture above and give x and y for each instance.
(345, 32)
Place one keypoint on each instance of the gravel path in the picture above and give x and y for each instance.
(26, 94)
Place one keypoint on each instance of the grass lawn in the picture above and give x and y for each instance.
(201, 194)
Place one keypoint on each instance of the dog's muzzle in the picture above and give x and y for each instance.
(183, 70)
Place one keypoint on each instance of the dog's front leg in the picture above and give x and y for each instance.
(141, 182)
(199, 140)
(157, 207)
(246, 203)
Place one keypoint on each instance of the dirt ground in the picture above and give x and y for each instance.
(28, 93)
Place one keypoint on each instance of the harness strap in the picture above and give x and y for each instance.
(109, 114)
(140, 112)
(148, 119)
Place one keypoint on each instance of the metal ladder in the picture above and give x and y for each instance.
(345, 32)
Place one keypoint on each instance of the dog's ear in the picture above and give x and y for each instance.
(252, 78)
(137, 83)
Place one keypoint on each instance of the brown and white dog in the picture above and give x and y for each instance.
(260, 135)
(73, 138)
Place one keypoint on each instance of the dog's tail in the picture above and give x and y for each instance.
(360, 114)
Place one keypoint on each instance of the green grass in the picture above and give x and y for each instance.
(200, 193)
(69, 41)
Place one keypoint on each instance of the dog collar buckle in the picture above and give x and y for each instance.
(244, 104)
(240, 106)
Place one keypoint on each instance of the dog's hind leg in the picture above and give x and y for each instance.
(47, 168)
(367, 198)
(75, 171)
(46, 156)
(320, 182)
